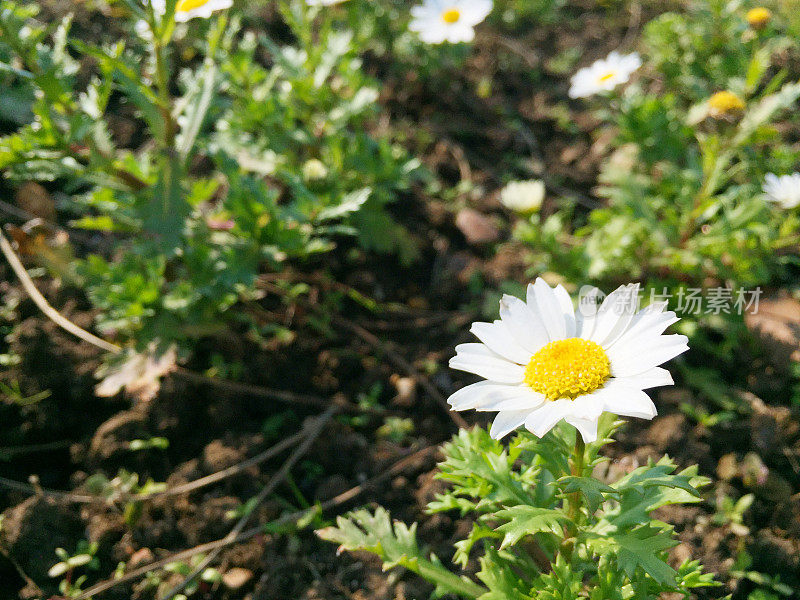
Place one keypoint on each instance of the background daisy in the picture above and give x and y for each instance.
(453, 21)
(543, 362)
(190, 9)
(783, 190)
(604, 74)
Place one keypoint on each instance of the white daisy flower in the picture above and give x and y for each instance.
(604, 74)
(189, 9)
(523, 196)
(783, 190)
(438, 21)
(543, 362)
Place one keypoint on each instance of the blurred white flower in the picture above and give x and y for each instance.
(189, 9)
(783, 190)
(438, 21)
(314, 170)
(604, 74)
(543, 362)
(523, 196)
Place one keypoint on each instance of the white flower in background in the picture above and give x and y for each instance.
(523, 196)
(783, 190)
(438, 21)
(543, 362)
(604, 74)
(314, 170)
(189, 9)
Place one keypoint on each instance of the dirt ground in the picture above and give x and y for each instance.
(70, 435)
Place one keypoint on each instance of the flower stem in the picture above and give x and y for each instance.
(574, 500)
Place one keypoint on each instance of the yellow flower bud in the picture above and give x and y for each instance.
(725, 103)
(758, 17)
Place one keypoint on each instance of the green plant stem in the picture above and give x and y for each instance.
(578, 460)
(162, 83)
(577, 465)
(446, 579)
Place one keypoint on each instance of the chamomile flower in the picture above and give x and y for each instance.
(453, 21)
(783, 190)
(524, 197)
(189, 9)
(543, 362)
(604, 74)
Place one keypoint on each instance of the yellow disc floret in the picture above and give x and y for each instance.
(187, 5)
(607, 76)
(568, 369)
(725, 103)
(451, 15)
(758, 17)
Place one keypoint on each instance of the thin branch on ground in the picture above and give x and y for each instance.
(191, 486)
(44, 306)
(14, 451)
(311, 433)
(401, 363)
(34, 490)
(185, 488)
(248, 534)
(278, 395)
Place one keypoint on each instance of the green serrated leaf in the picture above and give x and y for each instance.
(524, 520)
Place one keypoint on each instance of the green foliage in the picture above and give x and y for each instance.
(264, 156)
(532, 533)
(83, 558)
(682, 186)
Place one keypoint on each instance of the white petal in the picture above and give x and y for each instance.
(507, 421)
(628, 402)
(586, 315)
(647, 326)
(655, 377)
(487, 395)
(543, 419)
(586, 427)
(567, 310)
(499, 339)
(633, 359)
(524, 324)
(588, 406)
(616, 312)
(549, 308)
(478, 359)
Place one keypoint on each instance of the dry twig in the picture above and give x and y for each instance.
(40, 301)
(245, 535)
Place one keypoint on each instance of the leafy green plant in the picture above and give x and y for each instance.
(83, 557)
(233, 168)
(543, 526)
(683, 183)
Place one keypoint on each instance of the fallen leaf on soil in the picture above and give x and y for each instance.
(236, 578)
(139, 374)
(476, 227)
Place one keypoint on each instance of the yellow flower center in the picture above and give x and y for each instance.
(568, 369)
(451, 15)
(725, 102)
(758, 17)
(187, 5)
(607, 76)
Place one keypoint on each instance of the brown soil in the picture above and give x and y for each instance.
(210, 428)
